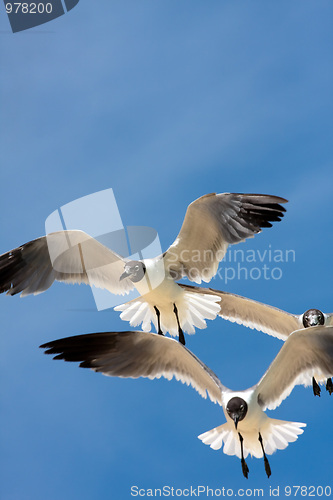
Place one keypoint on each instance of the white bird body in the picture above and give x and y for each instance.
(270, 320)
(211, 223)
(248, 430)
(276, 434)
(158, 288)
(262, 317)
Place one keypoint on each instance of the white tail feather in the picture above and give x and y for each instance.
(276, 435)
(193, 310)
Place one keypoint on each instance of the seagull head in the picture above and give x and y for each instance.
(313, 317)
(236, 409)
(134, 270)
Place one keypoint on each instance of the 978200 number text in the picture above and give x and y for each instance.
(28, 8)
(307, 491)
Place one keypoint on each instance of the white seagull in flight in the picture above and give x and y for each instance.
(267, 319)
(211, 223)
(248, 429)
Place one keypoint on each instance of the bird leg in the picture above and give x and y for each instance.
(180, 331)
(329, 386)
(158, 314)
(267, 466)
(245, 468)
(315, 387)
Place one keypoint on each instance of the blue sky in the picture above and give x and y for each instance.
(163, 102)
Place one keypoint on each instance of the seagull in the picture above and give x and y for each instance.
(267, 319)
(247, 429)
(211, 223)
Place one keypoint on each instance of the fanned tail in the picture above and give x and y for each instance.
(196, 309)
(276, 435)
(193, 310)
(138, 312)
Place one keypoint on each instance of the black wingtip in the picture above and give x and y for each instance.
(256, 212)
(13, 271)
(84, 348)
(269, 198)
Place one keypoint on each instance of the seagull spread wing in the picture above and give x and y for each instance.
(68, 256)
(306, 353)
(138, 354)
(252, 314)
(213, 222)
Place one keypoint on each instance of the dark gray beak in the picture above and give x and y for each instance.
(235, 418)
(124, 275)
